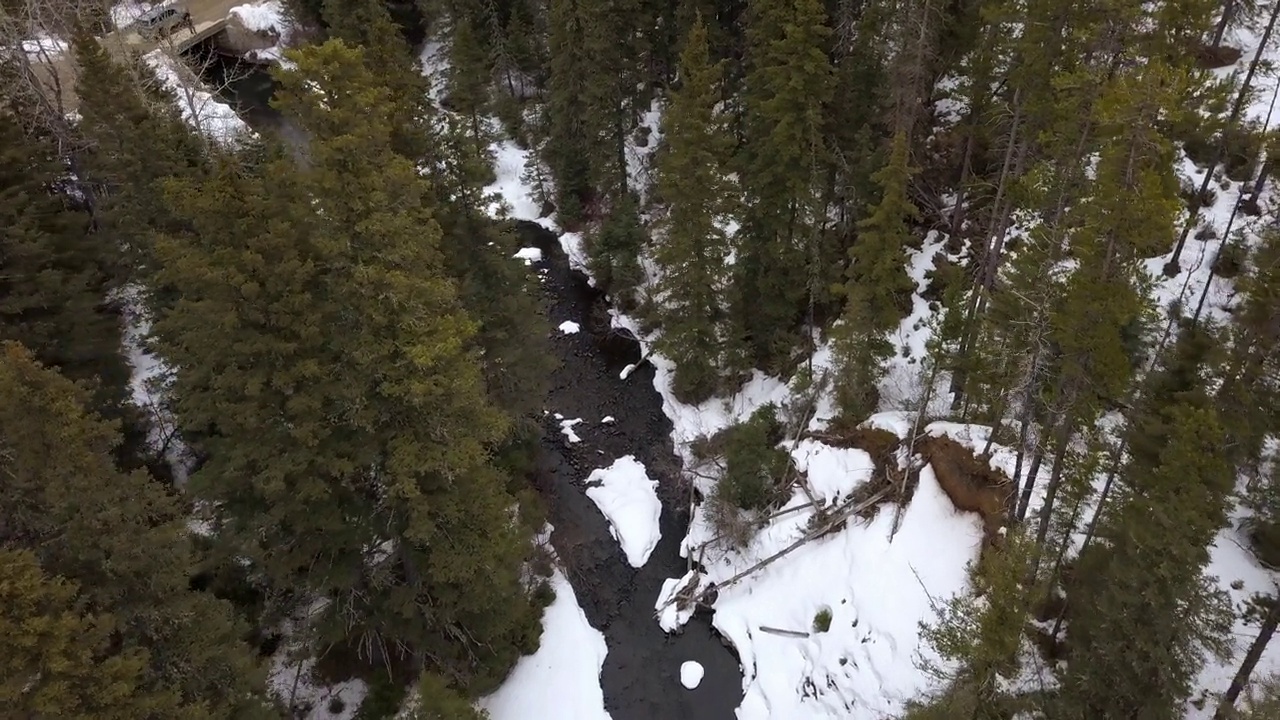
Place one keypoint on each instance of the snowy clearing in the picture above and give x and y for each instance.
(569, 327)
(561, 681)
(691, 674)
(629, 500)
(209, 116)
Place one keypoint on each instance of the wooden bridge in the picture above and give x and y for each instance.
(57, 70)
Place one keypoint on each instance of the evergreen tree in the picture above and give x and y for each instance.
(980, 635)
(467, 83)
(692, 246)
(1143, 614)
(435, 700)
(351, 448)
(788, 84)
(57, 272)
(569, 145)
(122, 538)
(877, 288)
(59, 659)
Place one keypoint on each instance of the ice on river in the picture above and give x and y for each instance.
(629, 500)
(561, 681)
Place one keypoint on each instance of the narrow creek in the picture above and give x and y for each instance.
(641, 674)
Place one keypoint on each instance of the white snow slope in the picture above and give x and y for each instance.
(562, 680)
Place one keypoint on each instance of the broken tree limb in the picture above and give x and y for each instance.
(784, 633)
(845, 511)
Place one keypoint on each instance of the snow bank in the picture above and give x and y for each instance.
(561, 681)
(211, 117)
(628, 498)
(262, 17)
(529, 255)
(126, 13)
(877, 591)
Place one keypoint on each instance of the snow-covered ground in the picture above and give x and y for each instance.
(561, 681)
(44, 46)
(629, 499)
(267, 18)
(206, 113)
(879, 588)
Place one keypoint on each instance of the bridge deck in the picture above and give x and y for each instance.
(209, 17)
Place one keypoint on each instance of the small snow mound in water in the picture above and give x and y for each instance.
(626, 371)
(608, 420)
(569, 327)
(629, 500)
(690, 674)
(566, 427)
(529, 255)
(671, 615)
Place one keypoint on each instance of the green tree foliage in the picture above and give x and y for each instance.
(569, 146)
(122, 538)
(135, 141)
(692, 247)
(351, 433)
(468, 83)
(1144, 617)
(59, 660)
(754, 465)
(435, 700)
(788, 83)
(980, 635)
(57, 272)
(877, 289)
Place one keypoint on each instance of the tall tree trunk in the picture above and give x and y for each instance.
(1228, 10)
(1250, 661)
(1173, 267)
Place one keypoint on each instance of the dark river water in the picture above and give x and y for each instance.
(641, 674)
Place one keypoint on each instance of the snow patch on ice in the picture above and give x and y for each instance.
(691, 674)
(629, 500)
(561, 681)
(569, 327)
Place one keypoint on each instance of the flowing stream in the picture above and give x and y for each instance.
(641, 674)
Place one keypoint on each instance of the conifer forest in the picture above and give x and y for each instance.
(639, 360)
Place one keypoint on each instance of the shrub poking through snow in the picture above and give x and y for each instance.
(822, 620)
(754, 465)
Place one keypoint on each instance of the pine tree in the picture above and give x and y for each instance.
(1143, 614)
(59, 659)
(58, 273)
(788, 84)
(351, 432)
(121, 537)
(877, 286)
(435, 700)
(467, 84)
(980, 635)
(569, 145)
(692, 246)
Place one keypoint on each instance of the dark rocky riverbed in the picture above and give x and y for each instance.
(641, 674)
